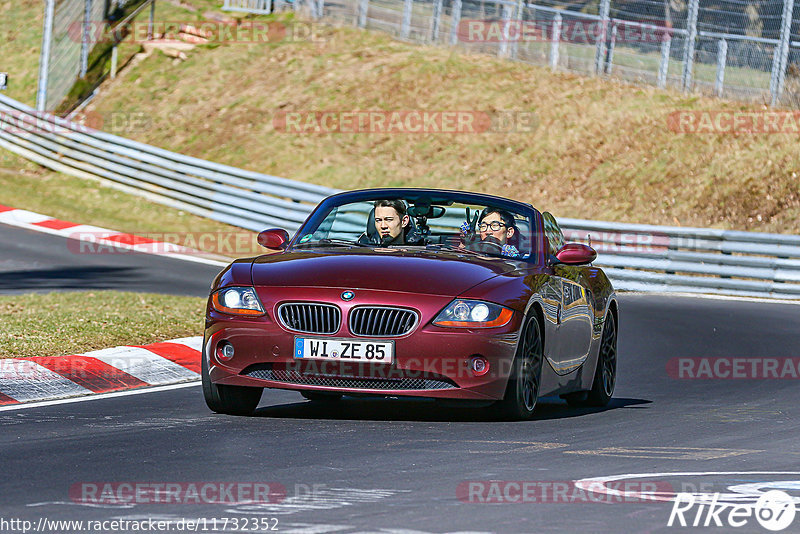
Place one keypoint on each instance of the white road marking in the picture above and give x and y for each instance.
(99, 396)
(598, 485)
(665, 453)
(320, 499)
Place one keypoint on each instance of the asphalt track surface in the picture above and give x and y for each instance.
(384, 465)
(41, 262)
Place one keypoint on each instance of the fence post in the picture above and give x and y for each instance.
(600, 53)
(114, 58)
(151, 20)
(610, 61)
(405, 28)
(663, 67)
(689, 48)
(455, 20)
(320, 8)
(503, 49)
(87, 14)
(362, 13)
(556, 39)
(722, 58)
(437, 20)
(781, 57)
(44, 58)
(518, 18)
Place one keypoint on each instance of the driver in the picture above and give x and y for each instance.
(496, 226)
(391, 223)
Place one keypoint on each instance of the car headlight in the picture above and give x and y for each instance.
(237, 301)
(473, 314)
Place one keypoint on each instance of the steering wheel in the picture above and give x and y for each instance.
(490, 245)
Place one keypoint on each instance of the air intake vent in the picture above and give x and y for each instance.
(310, 318)
(349, 382)
(375, 321)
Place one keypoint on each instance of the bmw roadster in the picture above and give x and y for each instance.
(414, 292)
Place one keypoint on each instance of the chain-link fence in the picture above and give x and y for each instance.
(743, 49)
(71, 34)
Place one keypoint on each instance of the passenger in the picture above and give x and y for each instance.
(496, 226)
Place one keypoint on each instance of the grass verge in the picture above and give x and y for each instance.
(56, 324)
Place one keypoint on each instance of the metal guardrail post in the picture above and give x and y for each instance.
(87, 23)
(455, 20)
(437, 20)
(600, 53)
(44, 58)
(781, 56)
(663, 66)
(612, 44)
(405, 28)
(556, 39)
(722, 57)
(691, 43)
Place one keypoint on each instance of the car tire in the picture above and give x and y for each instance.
(229, 400)
(605, 373)
(524, 382)
(318, 396)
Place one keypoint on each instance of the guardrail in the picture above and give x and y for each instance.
(635, 257)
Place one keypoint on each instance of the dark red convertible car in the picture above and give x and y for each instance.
(414, 292)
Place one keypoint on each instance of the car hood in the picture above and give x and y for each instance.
(438, 273)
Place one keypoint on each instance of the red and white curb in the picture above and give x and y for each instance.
(100, 236)
(102, 371)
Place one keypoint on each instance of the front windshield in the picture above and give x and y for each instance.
(442, 224)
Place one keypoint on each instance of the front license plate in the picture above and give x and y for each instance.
(352, 350)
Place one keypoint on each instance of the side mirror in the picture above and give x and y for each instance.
(273, 238)
(576, 254)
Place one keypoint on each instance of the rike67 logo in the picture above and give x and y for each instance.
(774, 510)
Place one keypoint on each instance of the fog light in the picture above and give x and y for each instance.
(224, 350)
(479, 365)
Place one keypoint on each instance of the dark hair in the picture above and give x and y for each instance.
(507, 218)
(398, 205)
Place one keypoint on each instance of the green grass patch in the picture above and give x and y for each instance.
(56, 324)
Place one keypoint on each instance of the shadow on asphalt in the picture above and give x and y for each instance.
(385, 409)
(65, 278)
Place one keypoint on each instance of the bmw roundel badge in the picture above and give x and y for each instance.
(348, 295)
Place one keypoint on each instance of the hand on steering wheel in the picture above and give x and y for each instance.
(489, 245)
